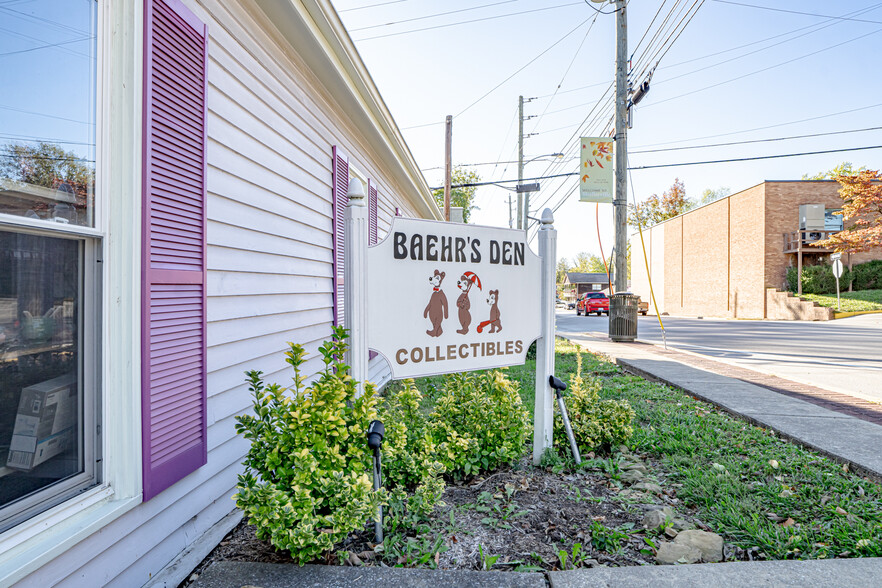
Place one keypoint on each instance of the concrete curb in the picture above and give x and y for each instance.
(232, 574)
(833, 573)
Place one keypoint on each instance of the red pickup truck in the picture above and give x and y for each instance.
(593, 302)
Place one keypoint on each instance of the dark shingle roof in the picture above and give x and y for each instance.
(587, 278)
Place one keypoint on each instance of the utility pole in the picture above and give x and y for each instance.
(448, 140)
(620, 210)
(509, 212)
(520, 159)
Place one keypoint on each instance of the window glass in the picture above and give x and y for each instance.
(41, 436)
(47, 109)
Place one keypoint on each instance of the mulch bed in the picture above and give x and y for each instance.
(522, 516)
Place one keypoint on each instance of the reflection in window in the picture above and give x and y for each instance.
(47, 109)
(41, 436)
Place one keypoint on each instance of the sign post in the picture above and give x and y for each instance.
(355, 282)
(543, 420)
(837, 271)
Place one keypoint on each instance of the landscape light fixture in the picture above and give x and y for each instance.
(375, 433)
(559, 387)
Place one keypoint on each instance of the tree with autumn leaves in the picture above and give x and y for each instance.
(861, 194)
(656, 209)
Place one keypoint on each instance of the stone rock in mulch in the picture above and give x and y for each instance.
(657, 518)
(631, 476)
(648, 487)
(674, 553)
(709, 544)
(682, 524)
(671, 532)
(637, 467)
(637, 496)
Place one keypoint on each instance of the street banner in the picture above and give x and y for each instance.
(596, 182)
(450, 297)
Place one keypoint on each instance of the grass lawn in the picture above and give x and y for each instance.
(747, 483)
(851, 301)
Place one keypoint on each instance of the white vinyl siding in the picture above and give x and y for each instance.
(271, 128)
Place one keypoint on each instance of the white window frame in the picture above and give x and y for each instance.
(113, 319)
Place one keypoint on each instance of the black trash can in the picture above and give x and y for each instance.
(623, 316)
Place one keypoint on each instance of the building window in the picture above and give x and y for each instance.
(47, 191)
(596, 287)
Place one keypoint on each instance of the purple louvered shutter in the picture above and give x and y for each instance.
(340, 179)
(372, 214)
(373, 236)
(173, 377)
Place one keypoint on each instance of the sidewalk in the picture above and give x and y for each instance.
(845, 428)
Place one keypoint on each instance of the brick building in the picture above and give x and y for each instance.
(720, 259)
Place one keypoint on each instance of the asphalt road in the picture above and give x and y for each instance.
(844, 355)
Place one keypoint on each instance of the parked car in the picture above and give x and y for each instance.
(598, 305)
(571, 305)
(584, 304)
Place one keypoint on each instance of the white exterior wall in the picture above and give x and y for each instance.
(271, 126)
(654, 242)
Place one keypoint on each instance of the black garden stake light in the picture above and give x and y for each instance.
(559, 387)
(375, 433)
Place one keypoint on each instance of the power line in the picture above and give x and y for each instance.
(680, 164)
(522, 68)
(793, 122)
(758, 157)
(817, 28)
(757, 141)
(693, 92)
(389, 24)
(371, 6)
(798, 12)
(566, 73)
(453, 24)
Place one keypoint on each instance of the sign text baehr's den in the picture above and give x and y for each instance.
(429, 247)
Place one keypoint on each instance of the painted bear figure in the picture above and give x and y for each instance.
(465, 283)
(436, 309)
(493, 301)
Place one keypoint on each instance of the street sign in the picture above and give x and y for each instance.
(528, 188)
(448, 297)
(837, 268)
(835, 256)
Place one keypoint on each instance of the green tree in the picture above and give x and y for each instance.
(710, 195)
(463, 197)
(588, 263)
(563, 266)
(45, 164)
(656, 209)
(843, 169)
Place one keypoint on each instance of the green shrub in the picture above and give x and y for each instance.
(597, 424)
(410, 459)
(305, 485)
(817, 279)
(479, 423)
(867, 276)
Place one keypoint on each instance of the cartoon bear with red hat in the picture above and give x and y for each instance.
(436, 309)
(465, 283)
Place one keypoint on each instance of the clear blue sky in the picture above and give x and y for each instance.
(426, 75)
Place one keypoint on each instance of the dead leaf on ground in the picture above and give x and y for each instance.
(788, 523)
(840, 510)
